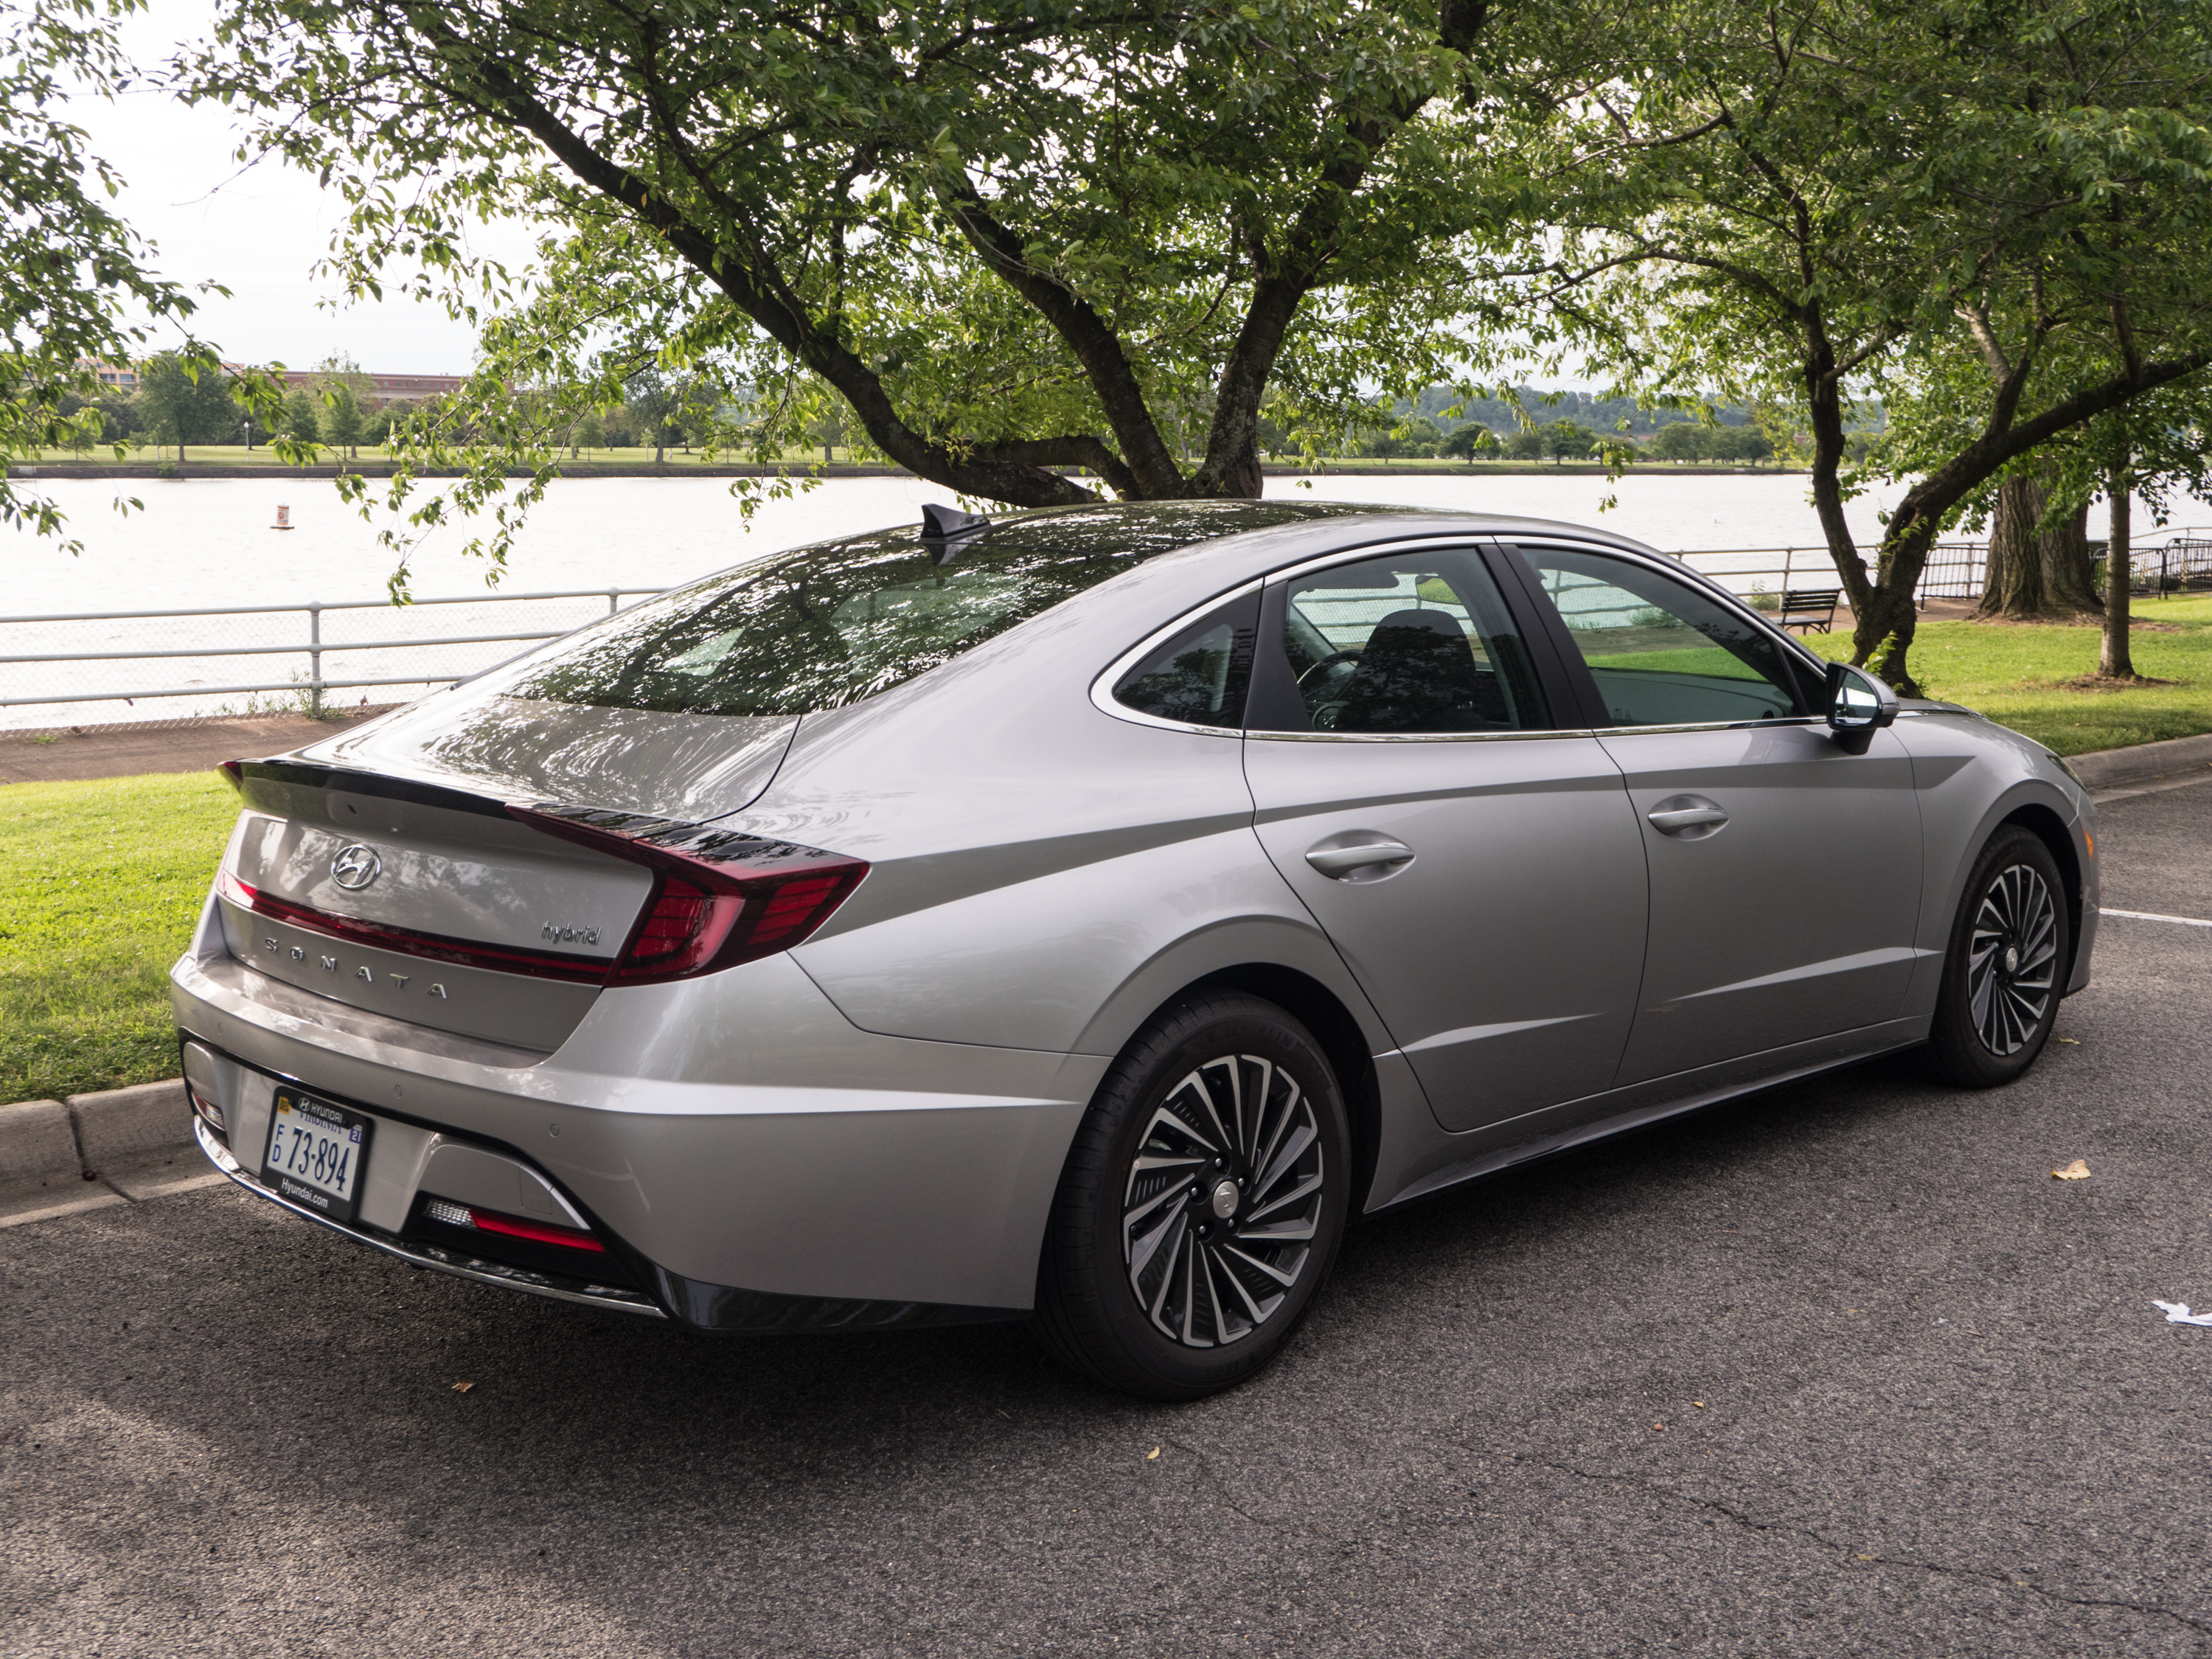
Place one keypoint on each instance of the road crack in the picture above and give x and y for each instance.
(1752, 1523)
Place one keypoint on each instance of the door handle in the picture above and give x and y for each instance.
(1675, 820)
(1369, 861)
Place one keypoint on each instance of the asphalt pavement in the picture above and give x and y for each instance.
(1840, 1370)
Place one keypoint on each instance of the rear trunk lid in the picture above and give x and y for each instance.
(421, 902)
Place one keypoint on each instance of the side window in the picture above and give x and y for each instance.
(1199, 677)
(1415, 641)
(1661, 652)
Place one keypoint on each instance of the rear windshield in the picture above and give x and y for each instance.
(827, 626)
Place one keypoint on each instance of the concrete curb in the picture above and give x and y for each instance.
(121, 1145)
(2105, 768)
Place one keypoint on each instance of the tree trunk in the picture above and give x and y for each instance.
(2069, 574)
(2114, 661)
(2013, 583)
(1888, 610)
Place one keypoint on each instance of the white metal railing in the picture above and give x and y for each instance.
(392, 655)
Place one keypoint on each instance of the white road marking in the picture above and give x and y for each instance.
(2145, 915)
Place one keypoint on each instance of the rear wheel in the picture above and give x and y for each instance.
(2001, 979)
(1201, 1205)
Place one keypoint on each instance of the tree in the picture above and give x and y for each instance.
(1681, 441)
(300, 419)
(1567, 440)
(73, 275)
(1527, 444)
(1016, 237)
(187, 401)
(1992, 216)
(1466, 442)
(347, 396)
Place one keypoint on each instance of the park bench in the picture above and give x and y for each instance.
(1812, 609)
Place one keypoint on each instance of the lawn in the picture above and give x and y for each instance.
(2016, 673)
(104, 881)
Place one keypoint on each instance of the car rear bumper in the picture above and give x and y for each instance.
(418, 1255)
(794, 1174)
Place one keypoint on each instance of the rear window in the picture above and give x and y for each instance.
(827, 626)
(809, 631)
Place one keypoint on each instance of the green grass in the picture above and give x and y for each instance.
(104, 881)
(2016, 675)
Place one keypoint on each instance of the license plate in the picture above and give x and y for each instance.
(316, 1153)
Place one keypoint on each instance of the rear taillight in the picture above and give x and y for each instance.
(445, 1211)
(233, 774)
(208, 1110)
(720, 897)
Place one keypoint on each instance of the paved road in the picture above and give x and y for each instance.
(1840, 1370)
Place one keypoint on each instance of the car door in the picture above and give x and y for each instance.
(1478, 867)
(1784, 871)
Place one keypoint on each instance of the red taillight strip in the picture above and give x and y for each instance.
(719, 897)
(405, 941)
(535, 1232)
(447, 1213)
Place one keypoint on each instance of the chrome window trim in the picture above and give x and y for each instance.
(1420, 737)
(1711, 726)
(1102, 686)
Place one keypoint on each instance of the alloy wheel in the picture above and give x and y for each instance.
(2012, 963)
(1223, 1201)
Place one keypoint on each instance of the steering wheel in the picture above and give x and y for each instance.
(1322, 667)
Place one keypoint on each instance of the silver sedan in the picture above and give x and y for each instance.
(1082, 917)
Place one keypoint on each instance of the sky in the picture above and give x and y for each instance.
(259, 232)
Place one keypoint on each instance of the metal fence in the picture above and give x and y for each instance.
(164, 665)
(134, 666)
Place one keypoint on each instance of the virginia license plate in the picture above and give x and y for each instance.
(316, 1153)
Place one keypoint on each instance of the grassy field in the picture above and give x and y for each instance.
(2017, 673)
(104, 881)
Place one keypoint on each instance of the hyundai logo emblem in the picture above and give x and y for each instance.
(355, 867)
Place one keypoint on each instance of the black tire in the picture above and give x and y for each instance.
(1131, 1293)
(2011, 948)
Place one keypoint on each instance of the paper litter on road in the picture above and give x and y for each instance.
(2077, 1170)
(2177, 1313)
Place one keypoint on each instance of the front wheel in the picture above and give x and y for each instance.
(2010, 945)
(1201, 1205)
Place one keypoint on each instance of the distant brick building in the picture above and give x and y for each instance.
(389, 388)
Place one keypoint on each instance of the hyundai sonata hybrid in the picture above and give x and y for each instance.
(1083, 915)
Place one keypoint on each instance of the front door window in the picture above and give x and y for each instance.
(1660, 652)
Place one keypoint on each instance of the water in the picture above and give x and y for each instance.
(208, 544)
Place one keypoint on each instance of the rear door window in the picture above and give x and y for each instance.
(1408, 642)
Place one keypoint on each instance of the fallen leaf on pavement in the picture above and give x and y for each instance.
(2076, 1042)
(463, 1388)
(1150, 1454)
(2077, 1170)
(1699, 1404)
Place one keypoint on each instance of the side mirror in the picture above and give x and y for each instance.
(1859, 705)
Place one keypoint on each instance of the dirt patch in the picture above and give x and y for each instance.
(126, 750)
(2100, 683)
